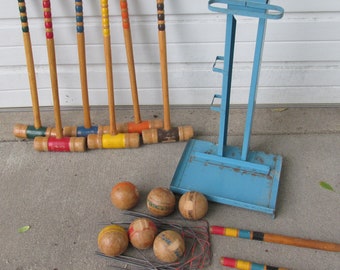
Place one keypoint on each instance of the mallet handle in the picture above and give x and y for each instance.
(30, 63)
(108, 64)
(52, 66)
(275, 238)
(245, 265)
(163, 63)
(130, 59)
(82, 61)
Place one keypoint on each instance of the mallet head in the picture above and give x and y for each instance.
(132, 127)
(30, 132)
(182, 133)
(108, 141)
(65, 144)
(81, 131)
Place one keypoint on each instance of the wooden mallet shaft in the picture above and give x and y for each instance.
(53, 67)
(59, 143)
(275, 238)
(22, 130)
(138, 125)
(168, 134)
(130, 59)
(163, 63)
(82, 131)
(108, 65)
(113, 139)
(82, 62)
(246, 265)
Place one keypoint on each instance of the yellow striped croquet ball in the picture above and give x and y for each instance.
(113, 240)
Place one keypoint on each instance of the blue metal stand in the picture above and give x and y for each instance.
(227, 174)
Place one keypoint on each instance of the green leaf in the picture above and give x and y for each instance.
(24, 229)
(326, 186)
(279, 109)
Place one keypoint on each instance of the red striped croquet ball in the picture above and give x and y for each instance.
(142, 233)
(124, 195)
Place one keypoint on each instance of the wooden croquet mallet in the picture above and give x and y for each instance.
(113, 139)
(275, 238)
(245, 265)
(59, 143)
(167, 134)
(22, 130)
(87, 128)
(138, 125)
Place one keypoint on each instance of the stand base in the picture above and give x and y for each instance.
(251, 184)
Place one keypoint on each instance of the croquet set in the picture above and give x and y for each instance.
(225, 174)
(207, 171)
(86, 136)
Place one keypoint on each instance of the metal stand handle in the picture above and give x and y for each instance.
(263, 11)
(248, 8)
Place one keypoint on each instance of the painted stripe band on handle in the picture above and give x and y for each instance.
(23, 16)
(79, 16)
(160, 15)
(125, 14)
(48, 19)
(105, 18)
(245, 265)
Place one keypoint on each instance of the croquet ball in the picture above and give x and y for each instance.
(142, 233)
(169, 246)
(124, 195)
(113, 240)
(193, 205)
(161, 201)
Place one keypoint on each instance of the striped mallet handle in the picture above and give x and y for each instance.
(30, 63)
(114, 139)
(82, 131)
(167, 134)
(275, 238)
(52, 66)
(22, 130)
(137, 125)
(163, 63)
(245, 265)
(82, 62)
(130, 59)
(108, 64)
